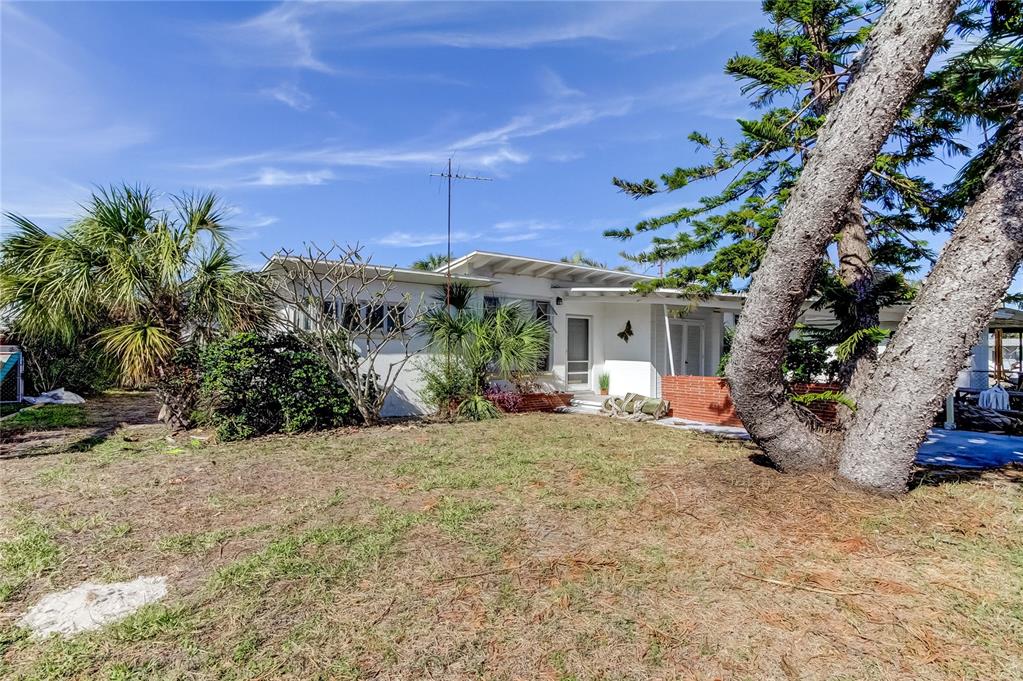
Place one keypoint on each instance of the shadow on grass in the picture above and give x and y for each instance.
(81, 444)
(932, 477)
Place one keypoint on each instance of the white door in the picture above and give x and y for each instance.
(687, 349)
(577, 368)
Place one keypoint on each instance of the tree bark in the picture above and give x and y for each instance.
(856, 272)
(855, 268)
(920, 365)
(891, 66)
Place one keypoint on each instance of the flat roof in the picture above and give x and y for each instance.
(403, 274)
(538, 267)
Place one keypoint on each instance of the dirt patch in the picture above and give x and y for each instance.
(537, 546)
(102, 417)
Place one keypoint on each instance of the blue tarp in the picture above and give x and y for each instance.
(967, 449)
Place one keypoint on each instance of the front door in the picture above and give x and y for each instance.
(687, 351)
(577, 369)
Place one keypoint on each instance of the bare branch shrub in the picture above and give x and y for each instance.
(350, 312)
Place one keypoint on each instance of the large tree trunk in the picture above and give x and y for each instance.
(892, 65)
(856, 272)
(921, 363)
(855, 267)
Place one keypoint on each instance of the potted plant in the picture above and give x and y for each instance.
(605, 382)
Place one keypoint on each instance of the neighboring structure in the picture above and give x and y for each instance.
(600, 324)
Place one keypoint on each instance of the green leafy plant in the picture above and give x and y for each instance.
(136, 279)
(825, 396)
(604, 380)
(478, 408)
(253, 385)
(502, 342)
(446, 382)
(79, 366)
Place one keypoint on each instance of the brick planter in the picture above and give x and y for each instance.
(706, 399)
(544, 401)
(700, 398)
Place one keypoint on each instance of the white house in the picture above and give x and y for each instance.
(599, 324)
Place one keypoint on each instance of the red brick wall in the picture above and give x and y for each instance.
(825, 411)
(706, 399)
(544, 401)
(700, 398)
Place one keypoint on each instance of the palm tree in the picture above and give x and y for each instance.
(579, 258)
(431, 262)
(504, 341)
(150, 279)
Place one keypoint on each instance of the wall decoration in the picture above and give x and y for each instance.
(626, 333)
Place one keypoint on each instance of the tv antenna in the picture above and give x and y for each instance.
(449, 175)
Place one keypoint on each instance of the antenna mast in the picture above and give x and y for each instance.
(453, 176)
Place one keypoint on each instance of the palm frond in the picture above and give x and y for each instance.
(140, 347)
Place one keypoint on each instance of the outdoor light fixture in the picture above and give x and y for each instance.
(558, 301)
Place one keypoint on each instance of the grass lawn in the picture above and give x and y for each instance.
(534, 547)
(46, 417)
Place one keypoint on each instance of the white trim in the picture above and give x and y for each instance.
(685, 343)
(580, 387)
(667, 338)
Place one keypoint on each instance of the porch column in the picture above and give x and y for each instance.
(667, 337)
(979, 366)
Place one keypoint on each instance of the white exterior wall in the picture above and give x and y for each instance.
(634, 366)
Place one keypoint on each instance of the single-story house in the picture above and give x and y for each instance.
(599, 324)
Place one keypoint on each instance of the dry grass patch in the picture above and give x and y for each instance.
(537, 546)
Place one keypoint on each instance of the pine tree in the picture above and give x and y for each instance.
(800, 67)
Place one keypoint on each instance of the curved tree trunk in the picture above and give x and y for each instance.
(921, 363)
(892, 65)
(856, 271)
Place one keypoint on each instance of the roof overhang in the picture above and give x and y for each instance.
(665, 296)
(397, 274)
(518, 265)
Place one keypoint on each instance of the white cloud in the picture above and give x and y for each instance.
(290, 95)
(490, 149)
(277, 37)
(275, 177)
(663, 209)
(411, 240)
(512, 231)
(302, 35)
(555, 86)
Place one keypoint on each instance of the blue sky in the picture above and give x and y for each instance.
(324, 122)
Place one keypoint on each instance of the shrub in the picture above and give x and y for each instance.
(253, 385)
(80, 367)
(505, 400)
(178, 388)
(446, 382)
(477, 408)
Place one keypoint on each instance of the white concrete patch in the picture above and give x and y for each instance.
(90, 606)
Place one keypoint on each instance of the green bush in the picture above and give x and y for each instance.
(80, 367)
(478, 408)
(446, 382)
(253, 385)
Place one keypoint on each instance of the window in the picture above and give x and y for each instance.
(491, 303)
(374, 317)
(351, 316)
(395, 318)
